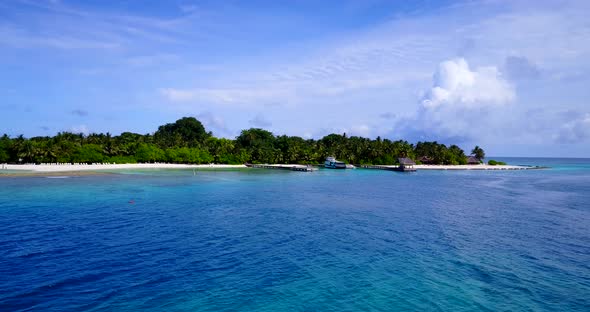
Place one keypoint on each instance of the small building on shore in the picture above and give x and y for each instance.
(425, 160)
(472, 160)
(406, 164)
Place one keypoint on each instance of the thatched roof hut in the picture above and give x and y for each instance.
(426, 160)
(472, 160)
(406, 164)
(404, 161)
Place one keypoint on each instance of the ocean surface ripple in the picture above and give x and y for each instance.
(256, 240)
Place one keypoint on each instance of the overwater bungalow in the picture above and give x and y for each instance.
(406, 164)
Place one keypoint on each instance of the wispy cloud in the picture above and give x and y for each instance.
(215, 123)
(388, 115)
(575, 131)
(152, 60)
(19, 38)
(62, 26)
(521, 68)
(259, 121)
(80, 112)
(472, 70)
(80, 129)
(228, 96)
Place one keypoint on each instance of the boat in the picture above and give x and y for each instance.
(332, 163)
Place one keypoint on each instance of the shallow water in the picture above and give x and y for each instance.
(263, 240)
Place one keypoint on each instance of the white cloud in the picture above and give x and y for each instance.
(210, 120)
(214, 123)
(462, 105)
(360, 130)
(366, 130)
(455, 84)
(259, 121)
(80, 112)
(188, 8)
(19, 38)
(178, 95)
(362, 74)
(151, 60)
(521, 68)
(241, 96)
(80, 129)
(575, 131)
(388, 115)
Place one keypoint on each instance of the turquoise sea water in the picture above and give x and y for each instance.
(263, 240)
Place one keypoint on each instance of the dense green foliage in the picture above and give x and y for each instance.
(478, 153)
(439, 154)
(187, 141)
(494, 163)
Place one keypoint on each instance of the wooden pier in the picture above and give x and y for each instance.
(388, 168)
(302, 168)
(451, 167)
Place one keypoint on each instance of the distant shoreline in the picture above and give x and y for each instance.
(99, 167)
(84, 169)
(473, 167)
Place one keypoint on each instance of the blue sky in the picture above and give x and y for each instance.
(511, 76)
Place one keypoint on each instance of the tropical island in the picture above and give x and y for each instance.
(187, 142)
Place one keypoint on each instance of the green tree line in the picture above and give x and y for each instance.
(186, 141)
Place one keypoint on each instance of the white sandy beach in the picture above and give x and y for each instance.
(98, 167)
(470, 167)
(95, 167)
(461, 167)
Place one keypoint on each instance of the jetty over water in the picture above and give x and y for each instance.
(476, 167)
(387, 167)
(405, 165)
(400, 168)
(452, 167)
(304, 168)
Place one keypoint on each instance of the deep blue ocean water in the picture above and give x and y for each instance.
(264, 240)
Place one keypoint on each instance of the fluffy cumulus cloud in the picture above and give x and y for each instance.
(383, 78)
(455, 84)
(462, 104)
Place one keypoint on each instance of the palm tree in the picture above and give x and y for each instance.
(404, 149)
(478, 153)
(27, 151)
(49, 153)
